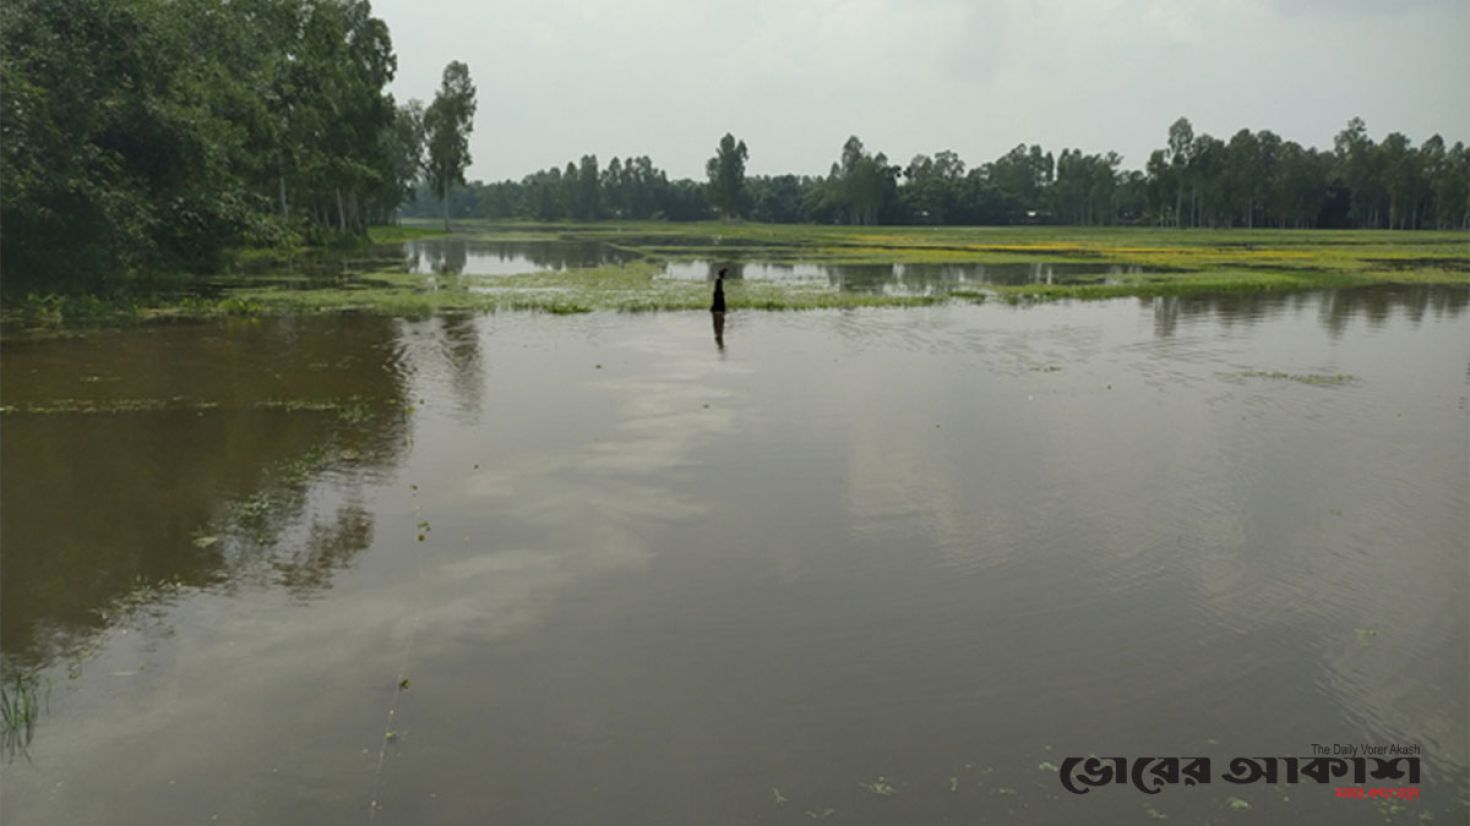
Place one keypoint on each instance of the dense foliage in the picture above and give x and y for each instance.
(157, 134)
(726, 172)
(446, 128)
(1253, 180)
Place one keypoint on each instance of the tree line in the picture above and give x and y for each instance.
(1255, 179)
(145, 135)
(148, 135)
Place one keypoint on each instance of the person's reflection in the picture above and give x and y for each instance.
(719, 331)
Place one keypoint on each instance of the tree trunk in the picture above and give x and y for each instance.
(341, 211)
(354, 209)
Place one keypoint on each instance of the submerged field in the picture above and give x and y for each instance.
(640, 266)
(356, 549)
(878, 567)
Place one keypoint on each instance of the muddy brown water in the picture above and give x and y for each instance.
(875, 566)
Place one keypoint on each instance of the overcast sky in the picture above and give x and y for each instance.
(795, 78)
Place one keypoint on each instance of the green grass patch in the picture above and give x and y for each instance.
(398, 233)
(1227, 281)
(633, 287)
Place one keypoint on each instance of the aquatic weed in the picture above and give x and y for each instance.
(22, 698)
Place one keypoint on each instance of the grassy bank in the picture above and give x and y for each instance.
(372, 279)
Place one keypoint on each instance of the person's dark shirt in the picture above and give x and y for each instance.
(719, 304)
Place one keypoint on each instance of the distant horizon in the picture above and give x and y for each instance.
(666, 80)
(753, 171)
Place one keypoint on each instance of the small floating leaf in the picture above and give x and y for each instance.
(1048, 766)
(203, 542)
(776, 793)
(1237, 805)
(881, 786)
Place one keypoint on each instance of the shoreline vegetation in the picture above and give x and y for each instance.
(149, 176)
(212, 157)
(372, 277)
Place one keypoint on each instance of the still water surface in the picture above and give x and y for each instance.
(906, 279)
(499, 258)
(452, 256)
(880, 566)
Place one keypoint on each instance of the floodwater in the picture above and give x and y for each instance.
(871, 566)
(452, 256)
(433, 256)
(907, 279)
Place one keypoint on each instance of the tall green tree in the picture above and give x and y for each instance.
(405, 146)
(448, 123)
(726, 172)
(152, 134)
(1181, 144)
(934, 187)
(1243, 168)
(589, 189)
(1358, 162)
(863, 185)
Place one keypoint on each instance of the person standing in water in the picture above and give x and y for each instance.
(717, 310)
(719, 305)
